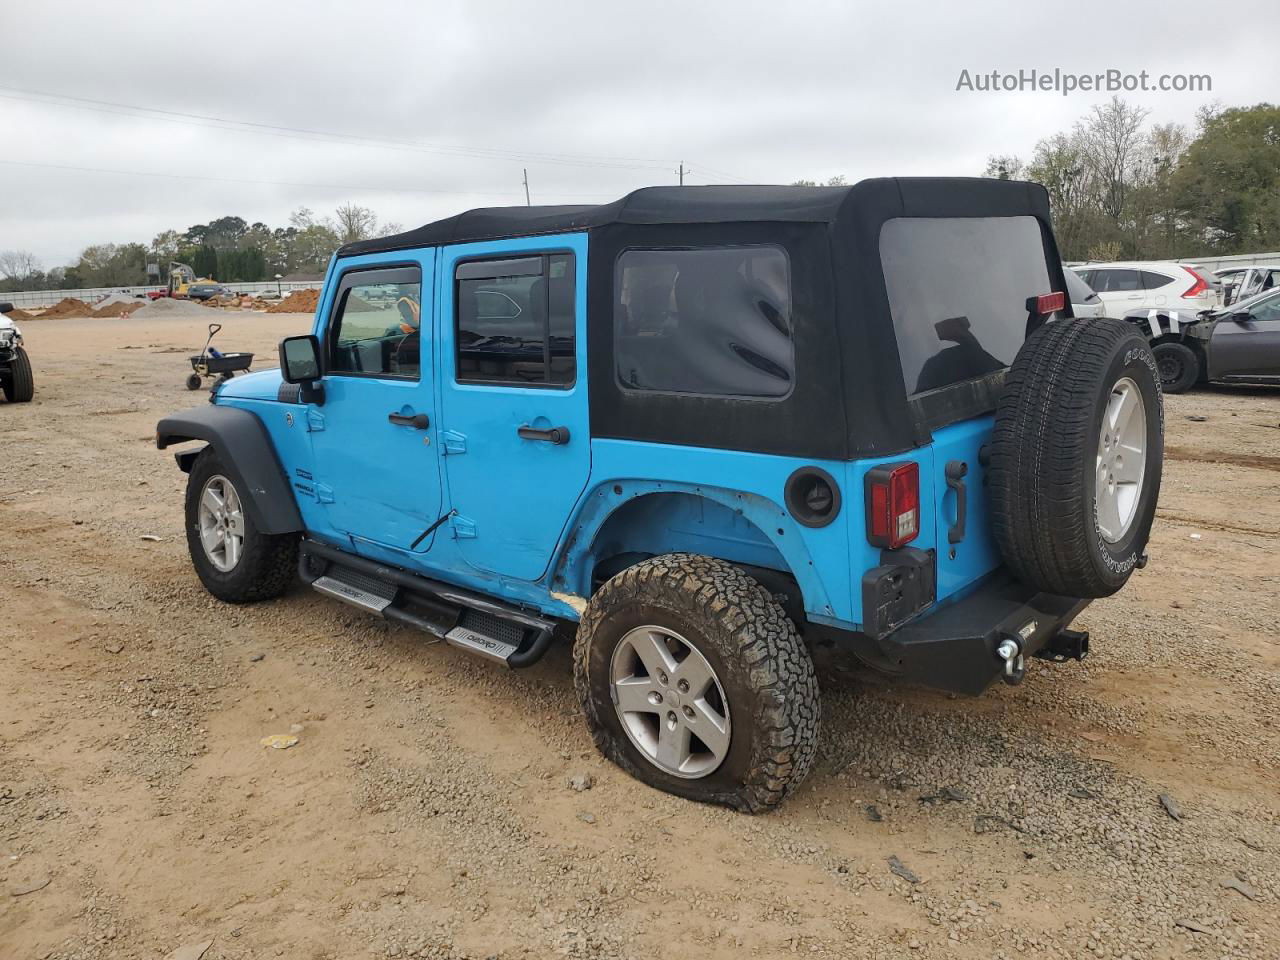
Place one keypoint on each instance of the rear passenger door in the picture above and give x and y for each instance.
(1120, 289)
(515, 431)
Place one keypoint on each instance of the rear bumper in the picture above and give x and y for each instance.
(954, 647)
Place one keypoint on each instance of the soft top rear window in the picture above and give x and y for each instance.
(958, 290)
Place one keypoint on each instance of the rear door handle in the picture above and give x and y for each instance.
(419, 421)
(955, 474)
(558, 435)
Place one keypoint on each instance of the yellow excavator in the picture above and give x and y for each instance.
(181, 279)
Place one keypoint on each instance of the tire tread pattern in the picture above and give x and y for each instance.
(743, 618)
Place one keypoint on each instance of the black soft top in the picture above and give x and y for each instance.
(849, 397)
(689, 205)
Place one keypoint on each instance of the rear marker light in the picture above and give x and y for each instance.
(893, 504)
(1047, 303)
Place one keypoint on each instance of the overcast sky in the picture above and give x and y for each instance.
(421, 109)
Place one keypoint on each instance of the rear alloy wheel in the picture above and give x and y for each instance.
(1178, 365)
(693, 680)
(670, 702)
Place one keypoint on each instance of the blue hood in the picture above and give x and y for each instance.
(263, 385)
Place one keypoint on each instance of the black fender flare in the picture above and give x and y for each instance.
(241, 438)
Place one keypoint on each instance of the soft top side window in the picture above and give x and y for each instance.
(707, 321)
(514, 321)
(373, 330)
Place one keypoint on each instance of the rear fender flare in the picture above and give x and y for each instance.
(573, 566)
(242, 441)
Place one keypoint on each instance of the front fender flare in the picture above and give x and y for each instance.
(242, 441)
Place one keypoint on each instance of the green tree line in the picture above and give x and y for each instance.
(228, 249)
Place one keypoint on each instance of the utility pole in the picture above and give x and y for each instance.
(681, 172)
(526, 187)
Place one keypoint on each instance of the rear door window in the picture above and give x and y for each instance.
(515, 321)
(712, 321)
(958, 290)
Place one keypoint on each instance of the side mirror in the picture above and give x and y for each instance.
(300, 359)
(1242, 316)
(300, 363)
(6, 307)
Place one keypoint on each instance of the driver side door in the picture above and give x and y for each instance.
(373, 438)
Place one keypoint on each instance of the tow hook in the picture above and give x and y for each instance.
(1010, 651)
(1066, 645)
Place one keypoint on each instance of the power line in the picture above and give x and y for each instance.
(303, 133)
(279, 183)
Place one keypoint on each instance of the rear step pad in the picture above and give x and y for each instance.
(485, 633)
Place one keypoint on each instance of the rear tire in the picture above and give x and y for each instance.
(721, 622)
(1073, 498)
(19, 386)
(1178, 365)
(264, 565)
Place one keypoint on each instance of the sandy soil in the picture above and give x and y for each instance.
(426, 809)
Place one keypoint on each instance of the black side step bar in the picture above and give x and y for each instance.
(462, 617)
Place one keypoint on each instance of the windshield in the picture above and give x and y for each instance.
(958, 290)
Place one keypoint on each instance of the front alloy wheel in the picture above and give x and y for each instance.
(221, 523)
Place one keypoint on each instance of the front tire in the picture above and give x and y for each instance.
(1178, 365)
(234, 561)
(693, 680)
(19, 386)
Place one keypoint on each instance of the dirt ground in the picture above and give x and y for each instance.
(426, 810)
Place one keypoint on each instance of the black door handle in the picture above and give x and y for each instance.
(955, 474)
(557, 435)
(419, 421)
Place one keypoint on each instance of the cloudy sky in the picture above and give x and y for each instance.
(121, 119)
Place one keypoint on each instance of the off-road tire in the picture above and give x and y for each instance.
(1178, 366)
(1044, 455)
(766, 672)
(19, 384)
(268, 562)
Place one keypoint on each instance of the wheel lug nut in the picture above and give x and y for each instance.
(688, 712)
(662, 679)
(655, 697)
(683, 686)
(671, 718)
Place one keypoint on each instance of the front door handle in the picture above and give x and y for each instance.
(419, 421)
(558, 435)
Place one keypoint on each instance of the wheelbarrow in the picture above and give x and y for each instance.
(212, 362)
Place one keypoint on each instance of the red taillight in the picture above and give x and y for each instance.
(1197, 288)
(893, 504)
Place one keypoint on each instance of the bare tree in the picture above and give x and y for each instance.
(1114, 144)
(355, 223)
(17, 265)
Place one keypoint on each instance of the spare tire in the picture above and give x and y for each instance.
(1076, 457)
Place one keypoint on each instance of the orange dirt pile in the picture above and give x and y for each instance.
(68, 307)
(115, 309)
(16, 314)
(300, 301)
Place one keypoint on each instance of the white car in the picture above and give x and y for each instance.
(1084, 302)
(1153, 285)
(1240, 283)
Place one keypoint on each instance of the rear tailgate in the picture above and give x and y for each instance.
(966, 551)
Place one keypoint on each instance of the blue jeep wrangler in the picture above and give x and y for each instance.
(713, 427)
